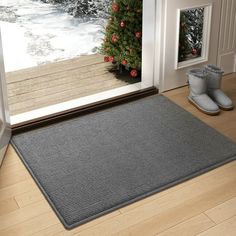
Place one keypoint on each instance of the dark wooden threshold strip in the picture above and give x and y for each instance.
(75, 112)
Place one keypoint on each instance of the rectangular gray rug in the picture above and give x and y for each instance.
(97, 163)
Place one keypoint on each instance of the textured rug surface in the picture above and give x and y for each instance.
(94, 164)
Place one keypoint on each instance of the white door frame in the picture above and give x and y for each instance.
(148, 42)
(159, 41)
(5, 127)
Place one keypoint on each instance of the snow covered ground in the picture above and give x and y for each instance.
(36, 33)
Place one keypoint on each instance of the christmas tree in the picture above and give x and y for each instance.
(123, 36)
(191, 33)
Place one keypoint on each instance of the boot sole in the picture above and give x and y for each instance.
(203, 111)
(225, 108)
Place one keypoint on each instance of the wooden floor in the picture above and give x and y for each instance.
(204, 206)
(53, 83)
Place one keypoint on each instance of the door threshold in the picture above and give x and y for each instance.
(62, 111)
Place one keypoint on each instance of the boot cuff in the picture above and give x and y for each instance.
(197, 72)
(214, 69)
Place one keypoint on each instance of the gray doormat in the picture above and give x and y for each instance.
(97, 163)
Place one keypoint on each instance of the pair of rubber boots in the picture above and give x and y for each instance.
(205, 92)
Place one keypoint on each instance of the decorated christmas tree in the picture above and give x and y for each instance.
(123, 36)
(191, 33)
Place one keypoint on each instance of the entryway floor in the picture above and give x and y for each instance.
(205, 205)
(53, 83)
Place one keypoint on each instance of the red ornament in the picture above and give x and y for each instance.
(114, 38)
(115, 7)
(194, 51)
(124, 62)
(122, 24)
(106, 59)
(111, 59)
(134, 73)
(127, 8)
(138, 35)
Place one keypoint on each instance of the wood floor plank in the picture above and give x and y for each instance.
(23, 214)
(11, 168)
(27, 103)
(32, 225)
(190, 227)
(8, 179)
(78, 86)
(52, 68)
(29, 197)
(16, 189)
(53, 230)
(25, 107)
(57, 229)
(223, 211)
(57, 82)
(226, 228)
(7, 206)
(54, 80)
(11, 158)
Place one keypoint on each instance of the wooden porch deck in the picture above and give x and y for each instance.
(62, 81)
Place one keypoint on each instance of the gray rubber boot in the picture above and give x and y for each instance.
(198, 92)
(214, 78)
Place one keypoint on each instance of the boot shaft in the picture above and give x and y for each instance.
(197, 81)
(214, 76)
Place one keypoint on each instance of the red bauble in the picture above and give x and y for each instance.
(127, 8)
(122, 24)
(114, 38)
(106, 59)
(138, 35)
(194, 51)
(115, 7)
(111, 59)
(124, 62)
(134, 73)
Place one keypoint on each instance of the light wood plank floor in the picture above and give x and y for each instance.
(205, 205)
(62, 81)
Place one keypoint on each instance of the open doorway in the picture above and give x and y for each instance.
(55, 51)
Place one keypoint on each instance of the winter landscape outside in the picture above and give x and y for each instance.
(37, 32)
(59, 50)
